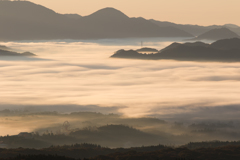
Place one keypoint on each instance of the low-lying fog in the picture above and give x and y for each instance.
(81, 73)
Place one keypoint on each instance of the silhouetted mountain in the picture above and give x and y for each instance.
(173, 45)
(199, 53)
(112, 23)
(23, 20)
(131, 54)
(4, 47)
(107, 14)
(196, 30)
(223, 50)
(147, 50)
(194, 44)
(193, 29)
(73, 16)
(10, 53)
(217, 34)
(28, 54)
(231, 26)
(233, 43)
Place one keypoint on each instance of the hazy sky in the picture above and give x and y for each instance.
(203, 12)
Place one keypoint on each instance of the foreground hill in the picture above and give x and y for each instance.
(226, 50)
(224, 153)
(23, 20)
(95, 152)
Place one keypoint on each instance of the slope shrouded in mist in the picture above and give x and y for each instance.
(67, 92)
(43, 129)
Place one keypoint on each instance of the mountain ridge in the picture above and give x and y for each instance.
(196, 30)
(226, 50)
(23, 20)
(217, 34)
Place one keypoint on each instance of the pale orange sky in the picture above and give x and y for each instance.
(202, 12)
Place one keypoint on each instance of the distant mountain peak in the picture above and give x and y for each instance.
(222, 29)
(23, 8)
(217, 34)
(231, 25)
(108, 12)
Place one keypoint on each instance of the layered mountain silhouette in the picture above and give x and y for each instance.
(192, 29)
(217, 34)
(226, 50)
(231, 26)
(196, 30)
(23, 20)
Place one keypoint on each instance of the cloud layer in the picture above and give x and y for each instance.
(82, 73)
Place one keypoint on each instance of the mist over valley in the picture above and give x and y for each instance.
(108, 86)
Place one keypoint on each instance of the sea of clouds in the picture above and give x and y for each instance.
(71, 75)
